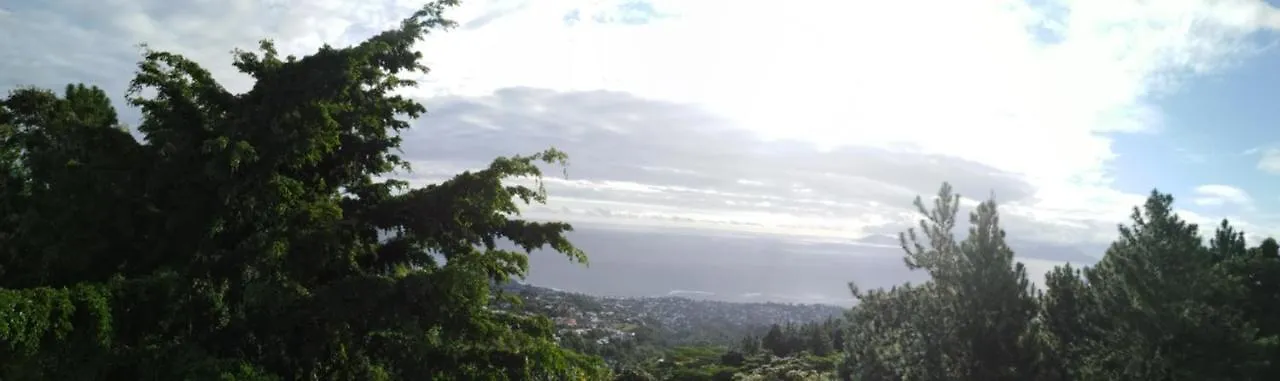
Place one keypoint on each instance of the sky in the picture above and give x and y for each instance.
(813, 119)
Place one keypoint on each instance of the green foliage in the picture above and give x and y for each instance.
(752, 361)
(1169, 308)
(817, 338)
(803, 368)
(1160, 305)
(252, 236)
(971, 321)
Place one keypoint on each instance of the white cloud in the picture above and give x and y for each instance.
(1270, 161)
(1035, 92)
(993, 93)
(1218, 195)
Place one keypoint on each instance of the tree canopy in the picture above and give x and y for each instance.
(255, 236)
(1163, 303)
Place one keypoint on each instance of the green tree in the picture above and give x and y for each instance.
(775, 341)
(835, 332)
(1067, 325)
(1269, 248)
(1160, 305)
(1171, 314)
(732, 358)
(750, 344)
(971, 321)
(816, 340)
(895, 334)
(1257, 271)
(252, 236)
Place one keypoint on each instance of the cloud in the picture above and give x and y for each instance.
(1032, 92)
(1218, 195)
(638, 161)
(1270, 161)
(816, 118)
(63, 41)
(660, 160)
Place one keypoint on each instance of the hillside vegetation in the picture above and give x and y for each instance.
(255, 236)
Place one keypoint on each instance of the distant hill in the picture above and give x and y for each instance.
(880, 240)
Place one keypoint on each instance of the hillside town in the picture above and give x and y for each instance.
(610, 319)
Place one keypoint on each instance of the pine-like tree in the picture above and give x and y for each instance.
(971, 321)
(1170, 313)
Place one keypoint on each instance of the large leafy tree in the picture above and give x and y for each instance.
(253, 235)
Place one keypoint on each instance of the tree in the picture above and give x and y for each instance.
(816, 340)
(750, 344)
(1269, 248)
(971, 321)
(1257, 273)
(732, 358)
(1160, 305)
(835, 332)
(1171, 314)
(252, 236)
(1067, 320)
(896, 334)
(775, 341)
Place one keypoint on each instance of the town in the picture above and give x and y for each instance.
(671, 319)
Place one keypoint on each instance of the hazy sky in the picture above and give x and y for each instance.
(821, 118)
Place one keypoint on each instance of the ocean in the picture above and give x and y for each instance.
(744, 267)
(719, 266)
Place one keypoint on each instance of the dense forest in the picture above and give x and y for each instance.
(256, 236)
